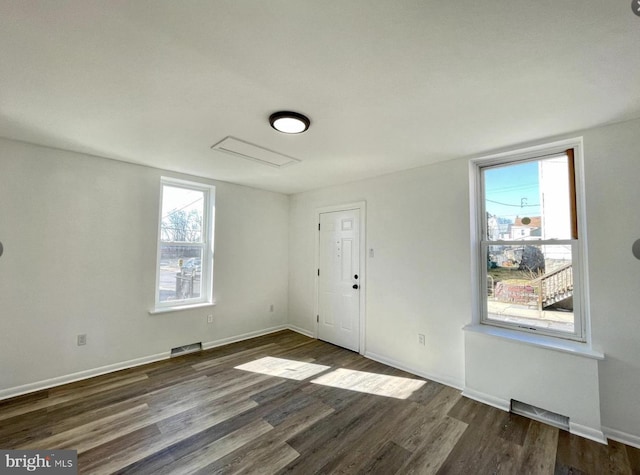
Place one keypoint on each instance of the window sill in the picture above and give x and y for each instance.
(160, 310)
(565, 346)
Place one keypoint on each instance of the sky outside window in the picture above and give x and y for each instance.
(182, 214)
(512, 191)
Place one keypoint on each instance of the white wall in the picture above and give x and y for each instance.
(79, 237)
(612, 156)
(419, 279)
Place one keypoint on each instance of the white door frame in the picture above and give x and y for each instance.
(362, 206)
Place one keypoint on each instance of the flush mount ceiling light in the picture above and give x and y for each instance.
(289, 122)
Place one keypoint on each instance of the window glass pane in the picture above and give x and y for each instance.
(531, 286)
(180, 272)
(528, 200)
(182, 213)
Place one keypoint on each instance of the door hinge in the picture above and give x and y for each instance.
(318, 272)
(317, 318)
(318, 226)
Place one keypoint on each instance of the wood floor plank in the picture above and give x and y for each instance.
(502, 457)
(259, 459)
(122, 447)
(435, 447)
(23, 428)
(236, 358)
(633, 456)
(217, 449)
(426, 393)
(515, 429)
(388, 459)
(95, 433)
(10, 412)
(110, 427)
(300, 420)
(617, 460)
(201, 413)
(577, 453)
(151, 445)
(81, 389)
(480, 449)
(64, 395)
(258, 456)
(255, 457)
(334, 435)
(267, 460)
(283, 368)
(334, 397)
(465, 410)
(412, 435)
(287, 426)
(539, 449)
(365, 449)
(15, 432)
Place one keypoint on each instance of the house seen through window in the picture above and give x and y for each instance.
(528, 247)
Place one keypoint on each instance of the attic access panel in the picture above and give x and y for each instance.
(254, 152)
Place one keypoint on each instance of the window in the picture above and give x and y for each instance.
(185, 244)
(529, 252)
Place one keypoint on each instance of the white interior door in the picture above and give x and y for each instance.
(339, 279)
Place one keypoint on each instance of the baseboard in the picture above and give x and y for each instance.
(502, 404)
(587, 432)
(86, 374)
(300, 330)
(619, 436)
(245, 336)
(396, 364)
(90, 373)
(505, 405)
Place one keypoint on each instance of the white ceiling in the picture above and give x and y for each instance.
(388, 84)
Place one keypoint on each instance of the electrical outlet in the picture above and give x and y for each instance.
(421, 339)
(271, 308)
(209, 318)
(82, 339)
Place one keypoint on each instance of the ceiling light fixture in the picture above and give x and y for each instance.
(289, 122)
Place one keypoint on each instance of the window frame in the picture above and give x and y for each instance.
(207, 245)
(480, 244)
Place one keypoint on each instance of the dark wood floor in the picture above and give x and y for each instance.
(201, 414)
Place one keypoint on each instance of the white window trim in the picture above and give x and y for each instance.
(206, 294)
(581, 301)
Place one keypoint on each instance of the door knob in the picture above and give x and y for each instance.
(355, 286)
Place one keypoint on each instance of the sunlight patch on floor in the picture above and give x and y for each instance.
(371, 383)
(290, 369)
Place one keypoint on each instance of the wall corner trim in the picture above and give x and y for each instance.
(302, 331)
(484, 398)
(244, 336)
(447, 381)
(587, 432)
(623, 437)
